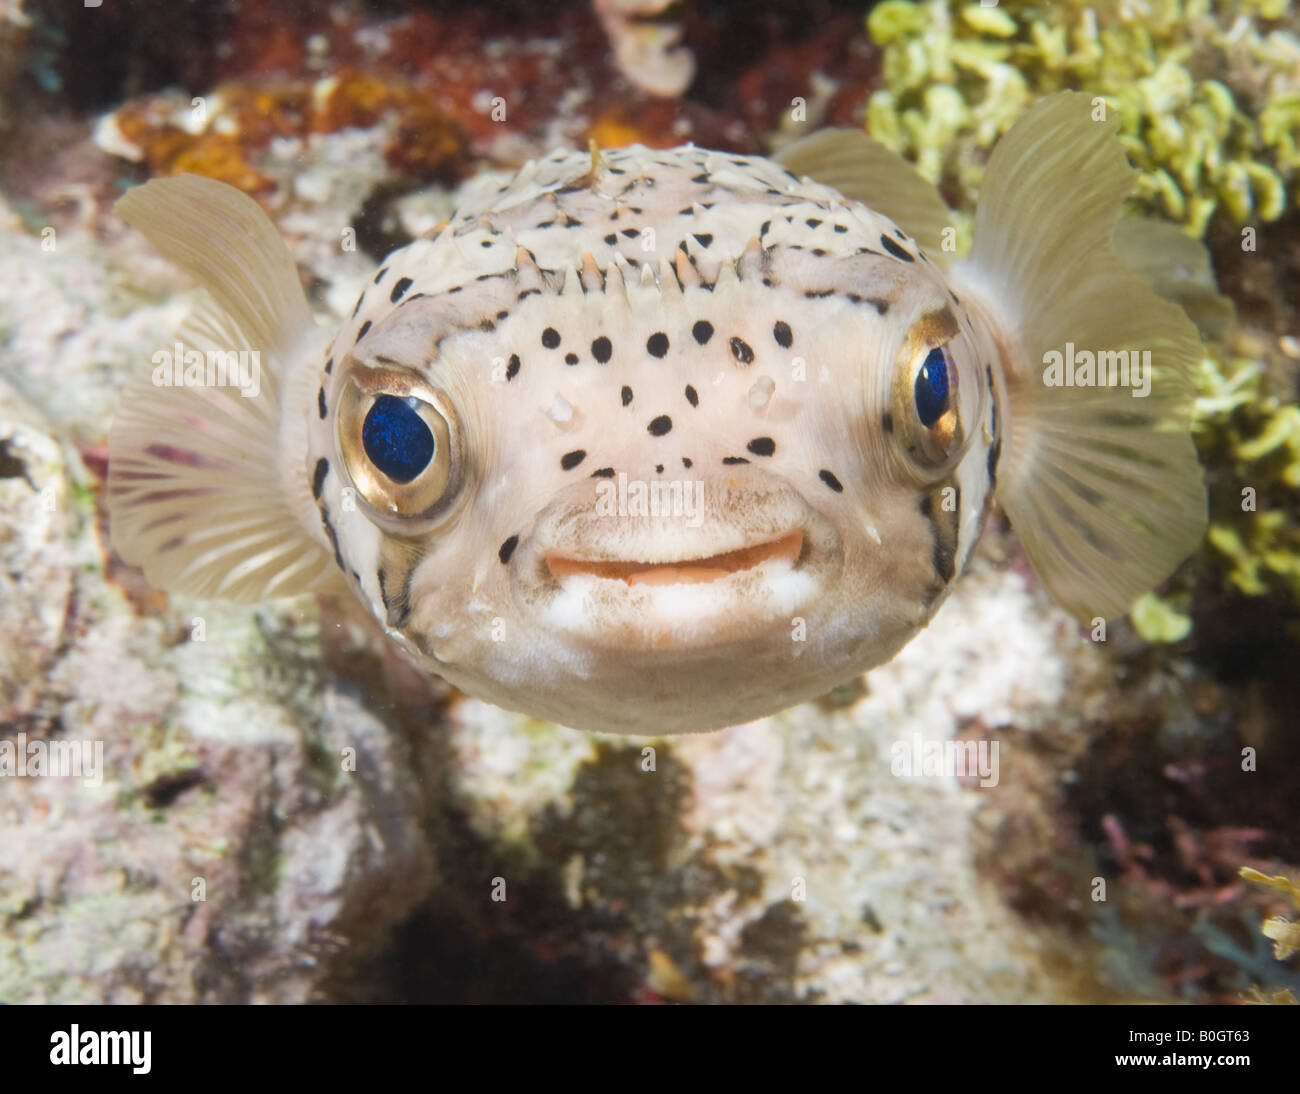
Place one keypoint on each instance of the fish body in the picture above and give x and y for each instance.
(659, 441)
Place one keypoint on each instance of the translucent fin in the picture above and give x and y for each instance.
(1178, 268)
(201, 476)
(221, 237)
(1103, 487)
(865, 170)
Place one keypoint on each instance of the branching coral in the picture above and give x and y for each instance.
(1208, 94)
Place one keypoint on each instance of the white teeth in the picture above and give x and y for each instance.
(560, 411)
(761, 392)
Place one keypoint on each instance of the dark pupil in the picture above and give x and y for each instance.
(396, 438)
(932, 388)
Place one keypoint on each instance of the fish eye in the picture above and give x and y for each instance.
(400, 445)
(935, 390)
(931, 386)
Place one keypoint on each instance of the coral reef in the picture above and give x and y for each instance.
(1207, 97)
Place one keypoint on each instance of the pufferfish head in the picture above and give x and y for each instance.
(629, 501)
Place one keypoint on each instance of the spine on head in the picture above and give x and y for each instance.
(1098, 472)
(207, 485)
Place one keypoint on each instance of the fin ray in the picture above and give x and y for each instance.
(202, 478)
(1101, 484)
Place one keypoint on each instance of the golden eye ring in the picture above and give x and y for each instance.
(400, 442)
(926, 395)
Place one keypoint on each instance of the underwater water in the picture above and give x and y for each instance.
(207, 800)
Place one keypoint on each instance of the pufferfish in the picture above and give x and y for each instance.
(651, 441)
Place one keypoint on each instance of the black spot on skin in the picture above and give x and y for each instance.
(819, 252)
(783, 335)
(602, 350)
(571, 222)
(550, 338)
(333, 536)
(734, 459)
(362, 332)
(627, 395)
(657, 344)
(763, 229)
(762, 446)
(704, 239)
(701, 178)
(703, 331)
(507, 549)
(686, 462)
(881, 306)
(329, 366)
(818, 294)
(603, 473)
(570, 358)
(503, 314)
(841, 228)
(741, 352)
(630, 233)
(570, 460)
(460, 288)
(831, 481)
(813, 222)
(380, 275)
(358, 307)
(512, 367)
(611, 239)
(894, 249)
(995, 453)
(399, 289)
(522, 296)
(942, 557)
(318, 477)
(660, 425)
(954, 297)
(659, 469)
(692, 396)
(320, 403)
(487, 325)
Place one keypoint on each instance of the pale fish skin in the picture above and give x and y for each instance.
(842, 402)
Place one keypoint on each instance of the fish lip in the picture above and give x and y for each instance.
(790, 546)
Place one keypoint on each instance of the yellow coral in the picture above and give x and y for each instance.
(1174, 70)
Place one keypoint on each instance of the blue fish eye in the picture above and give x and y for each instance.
(396, 439)
(931, 387)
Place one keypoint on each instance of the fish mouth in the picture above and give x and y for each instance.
(690, 571)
